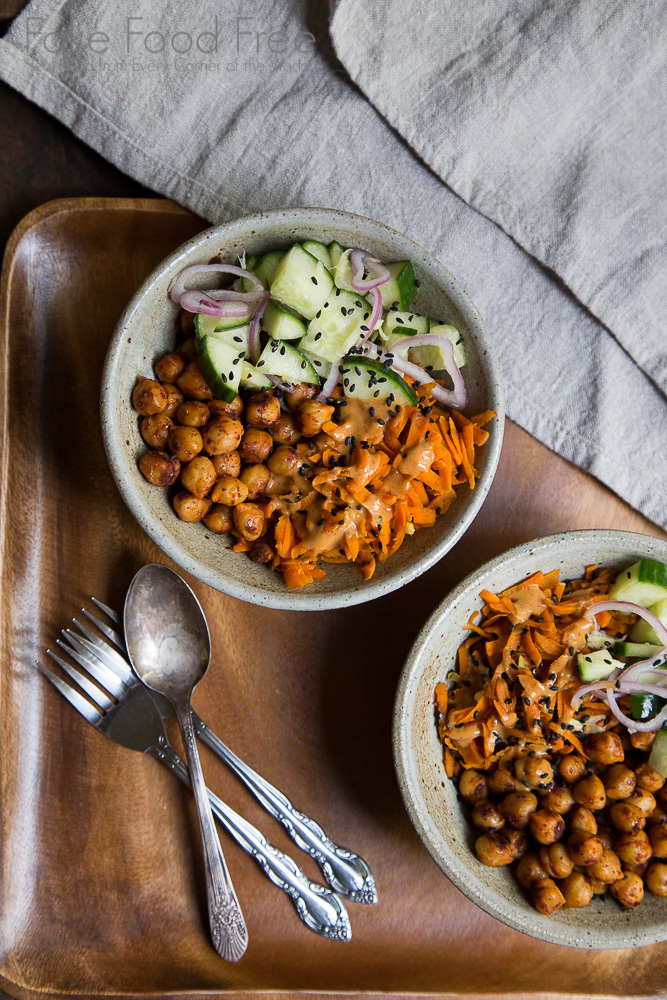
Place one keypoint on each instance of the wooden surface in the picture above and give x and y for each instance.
(99, 876)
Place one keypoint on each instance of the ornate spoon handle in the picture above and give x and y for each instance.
(319, 908)
(345, 871)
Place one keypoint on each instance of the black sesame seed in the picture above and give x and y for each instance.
(313, 279)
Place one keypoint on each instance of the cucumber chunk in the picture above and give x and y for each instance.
(215, 324)
(337, 326)
(399, 291)
(431, 355)
(599, 641)
(658, 758)
(643, 583)
(642, 631)
(302, 282)
(321, 365)
(281, 323)
(287, 362)
(342, 272)
(597, 666)
(220, 357)
(637, 650)
(646, 706)
(335, 252)
(397, 321)
(318, 250)
(252, 379)
(266, 267)
(364, 378)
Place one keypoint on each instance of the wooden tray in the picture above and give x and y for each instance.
(99, 890)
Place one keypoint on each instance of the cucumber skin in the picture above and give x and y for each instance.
(645, 583)
(395, 384)
(642, 631)
(597, 666)
(644, 706)
(219, 388)
(658, 758)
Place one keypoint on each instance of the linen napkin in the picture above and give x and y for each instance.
(519, 142)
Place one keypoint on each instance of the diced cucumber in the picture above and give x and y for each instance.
(646, 706)
(244, 284)
(281, 323)
(251, 262)
(643, 583)
(401, 288)
(599, 641)
(364, 378)
(321, 365)
(637, 650)
(265, 269)
(318, 250)
(597, 666)
(442, 330)
(337, 326)
(335, 251)
(215, 324)
(658, 758)
(302, 282)
(220, 358)
(397, 321)
(287, 362)
(342, 272)
(252, 379)
(642, 631)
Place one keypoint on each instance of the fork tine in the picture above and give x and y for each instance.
(100, 698)
(104, 652)
(109, 632)
(102, 674)
(113, 615)
(73, 697)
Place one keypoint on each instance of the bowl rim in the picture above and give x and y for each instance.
(608, 937)
(116, 450)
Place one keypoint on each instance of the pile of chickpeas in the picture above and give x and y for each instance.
(579, 830)
(223, 453)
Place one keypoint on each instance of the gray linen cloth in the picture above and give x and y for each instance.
(522, 142)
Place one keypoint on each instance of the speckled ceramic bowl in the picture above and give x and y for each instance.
(146, 331)
(441, 821)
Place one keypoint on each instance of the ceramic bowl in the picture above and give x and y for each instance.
(147, 330)
(431, 798)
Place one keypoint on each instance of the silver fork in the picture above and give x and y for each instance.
(347, 873)
(131, 718)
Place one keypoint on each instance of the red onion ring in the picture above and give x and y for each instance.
(177, 284)
(630, 608)
(457, 398)
(278, 384)
(201, 302)
(331, 382)
(375, 315)
(362, 260)
(253, 332)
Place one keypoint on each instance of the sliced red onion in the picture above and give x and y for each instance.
(630, 608)
(594, 688)
(201, 302)
(253, 332)
(362, 261)
(375, 315)
(457, 398)
(177, 284)
(331, 382)
(278, 384)
(634, 724)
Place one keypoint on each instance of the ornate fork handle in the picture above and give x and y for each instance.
(345, 871)
(319, 908)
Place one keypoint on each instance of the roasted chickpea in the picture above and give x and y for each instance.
(219, 519)
(590, 792)
(535, 772)
(642, 741)
(605, 748)
(633, 848)
(169, 367)
(493, 850)
(627, 817)
(155, 430)
(559, 799)
(174, 399)
(284, 461)
(191, 508)
(657, 816)
(249, 521)
(192, 413)
(228, 464)
(230, 491)
(648, 779)
(656, 878)
(571, 768)
(584, 850)
(643, 800)
(530, 870)
(298, 394)
(472, 785)
(487, 816)
(198, 476)
(608, 868)
(657, 834)
(222, 408)
(546, 826)
(577, 891)
(255, 446)
(256, 478)
(556, 860)
(261, 552)
(606, 835)
(148, 397)
(582, 820)
(222, 435)
(517, 840)
(184, 442)
(187, 324)
(501, 781)
(159, 468)
(619, 781)
(547, 896)
(285, 430)
(192, 383)
(597, 885)
(262, 410)
(187, 350)
(311, 416)
(637, 869)
(517, 808)
(628, 890)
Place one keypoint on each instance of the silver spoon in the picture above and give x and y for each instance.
(169, 647)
